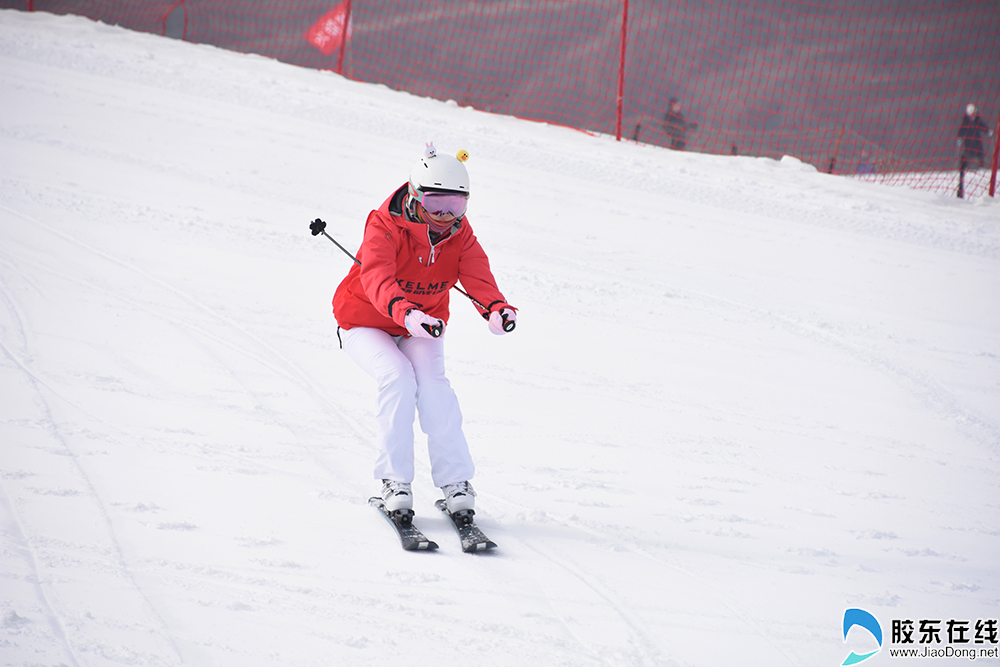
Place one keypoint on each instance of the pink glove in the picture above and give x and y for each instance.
(422, 325)
(502, 321)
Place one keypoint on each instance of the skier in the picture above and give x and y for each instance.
(970, 138)
(392, 309)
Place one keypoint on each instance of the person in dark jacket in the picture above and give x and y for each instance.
(677, 125)
(970, 138)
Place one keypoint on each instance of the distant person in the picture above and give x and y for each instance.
(970, 139)
(677, 125)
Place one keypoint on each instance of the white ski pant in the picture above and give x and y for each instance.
(410, 376)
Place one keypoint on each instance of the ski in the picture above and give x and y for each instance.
(473, 539)
(410, 538)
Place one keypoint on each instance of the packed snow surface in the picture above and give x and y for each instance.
(741, 398)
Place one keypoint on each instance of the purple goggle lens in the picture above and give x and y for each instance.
(440, 203)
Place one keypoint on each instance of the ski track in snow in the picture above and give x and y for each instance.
(274, 364)
(49, 549)
(264, 354)
(930, 392)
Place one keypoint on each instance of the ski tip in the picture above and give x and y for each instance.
(480, 547)
(421, 545)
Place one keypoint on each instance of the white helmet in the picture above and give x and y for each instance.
(970, 110)
(439, 173)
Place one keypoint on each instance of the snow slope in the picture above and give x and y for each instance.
(742, 396)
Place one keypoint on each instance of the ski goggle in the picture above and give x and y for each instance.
(442, 203)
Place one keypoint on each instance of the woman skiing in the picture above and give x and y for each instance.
(392, 309)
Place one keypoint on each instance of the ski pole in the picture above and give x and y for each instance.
(318, 227)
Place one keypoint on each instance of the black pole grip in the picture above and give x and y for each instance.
(508, 325)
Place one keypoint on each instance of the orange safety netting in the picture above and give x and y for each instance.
(876, 89)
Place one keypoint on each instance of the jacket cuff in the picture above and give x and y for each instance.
(499, 305)
(398, 308)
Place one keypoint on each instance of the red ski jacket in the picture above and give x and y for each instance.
(401, 269)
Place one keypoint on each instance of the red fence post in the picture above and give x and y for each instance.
(170, 11)
(996, 154)
(621, 72)
(344, 36)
